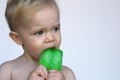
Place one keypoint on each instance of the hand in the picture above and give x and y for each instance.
(55, 75)
(40, 73)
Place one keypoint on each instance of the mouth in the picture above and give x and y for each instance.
(51, 47)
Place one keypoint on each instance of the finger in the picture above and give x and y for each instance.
(45, 70)
(41, 71)
(52, 73)
(55, 75)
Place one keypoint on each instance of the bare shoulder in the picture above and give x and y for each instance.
(6, 70)
(68, 73)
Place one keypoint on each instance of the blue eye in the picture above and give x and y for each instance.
(39, 33)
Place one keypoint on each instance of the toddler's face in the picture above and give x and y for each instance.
(42, 32)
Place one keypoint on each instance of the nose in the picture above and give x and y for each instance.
(49, 37)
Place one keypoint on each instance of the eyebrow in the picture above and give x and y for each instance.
(58, 24)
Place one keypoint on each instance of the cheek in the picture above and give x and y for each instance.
(34, 52)
(33, 49)
(58, 40)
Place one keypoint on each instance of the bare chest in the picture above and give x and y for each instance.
(21, 73)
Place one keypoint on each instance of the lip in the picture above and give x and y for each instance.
(53, 47)
(50, 47)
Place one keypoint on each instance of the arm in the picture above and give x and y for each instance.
(5, 71)
(40, 73)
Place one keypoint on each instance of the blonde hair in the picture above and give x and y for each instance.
(19, 12)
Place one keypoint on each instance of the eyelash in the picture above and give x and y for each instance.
(56, 29)
(39, 33)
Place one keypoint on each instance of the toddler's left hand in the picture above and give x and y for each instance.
(55, 75)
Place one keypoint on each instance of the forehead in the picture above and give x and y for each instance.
(47, 16)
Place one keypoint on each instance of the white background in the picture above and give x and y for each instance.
(90, 38)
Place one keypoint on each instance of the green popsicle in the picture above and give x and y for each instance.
(52, 59)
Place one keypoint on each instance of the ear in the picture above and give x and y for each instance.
(15, 37)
